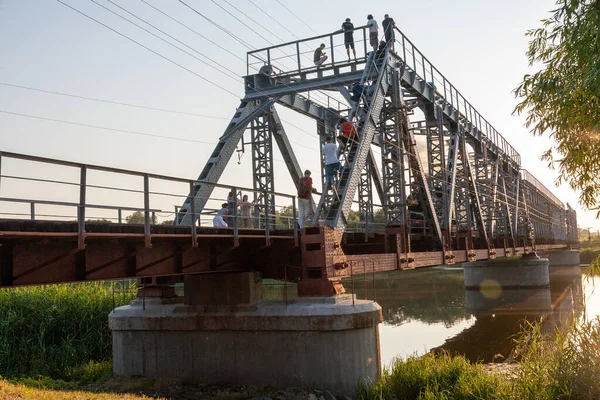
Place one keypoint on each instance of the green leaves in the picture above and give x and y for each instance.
(562, 99)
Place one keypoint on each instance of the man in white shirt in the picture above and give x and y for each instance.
(373, 32)
(332, 164)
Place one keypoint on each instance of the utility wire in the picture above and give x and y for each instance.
(297, 17)
(234, 76)
(103, 127)
(149, 49)
(194, 31)
(239, 20)
(215, 24)
(110, 101)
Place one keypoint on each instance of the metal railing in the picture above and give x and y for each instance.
(526, 176)
(77, 195)
(416, 61)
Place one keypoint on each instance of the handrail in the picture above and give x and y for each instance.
(527, 176)
(431, 75)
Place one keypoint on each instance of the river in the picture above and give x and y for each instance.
(429, 309)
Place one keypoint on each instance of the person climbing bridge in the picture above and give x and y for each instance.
(348, 29)
(320, 56)
(332, 163)
(388, 24)
(373, 32)
(305, 204)
(347, 132)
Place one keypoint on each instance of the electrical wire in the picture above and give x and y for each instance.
(192, 30)
(111, 101)
(149, 49)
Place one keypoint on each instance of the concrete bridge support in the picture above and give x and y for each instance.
(222, 331)
(563, 257)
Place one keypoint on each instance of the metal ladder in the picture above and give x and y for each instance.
(335, 205)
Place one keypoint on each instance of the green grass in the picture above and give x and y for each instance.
(565, 365)
(589, 254)
(56, 331)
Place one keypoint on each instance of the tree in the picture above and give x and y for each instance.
(563, 98)
(135, 218)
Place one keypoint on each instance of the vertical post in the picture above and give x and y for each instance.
(365, 41)
(193, 222)
(267, 221)
(119, 216)
(295, 221)
(0, 169)
(81, 209)
(32, 210)
(352, 280)
(236, 237)
(332, 50)
(269, 56)
(298, 56)
(147, 211)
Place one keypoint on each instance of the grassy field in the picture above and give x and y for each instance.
(57, 331)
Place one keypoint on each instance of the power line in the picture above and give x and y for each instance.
(166, 41)
(149, 49)
(297, 17)
(244, 43)
(103, 127)
(239, 20)
(275, 20)
(110, 101)
(194, 31)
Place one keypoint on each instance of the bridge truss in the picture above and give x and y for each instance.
(444, 177)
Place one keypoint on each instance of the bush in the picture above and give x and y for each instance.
(47, 330)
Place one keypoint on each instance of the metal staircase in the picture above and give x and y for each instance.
(335, 204)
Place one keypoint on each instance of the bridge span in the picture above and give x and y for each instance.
(428, 177)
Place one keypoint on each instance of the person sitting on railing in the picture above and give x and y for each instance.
(373, 32)
(332, 163)
(347, 132)
(348, 29)
(218, 221)
(245, 208)
(320, 55)
(388, 24)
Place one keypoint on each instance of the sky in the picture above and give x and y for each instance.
(478, 45)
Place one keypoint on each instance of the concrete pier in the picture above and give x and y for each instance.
(507, 274)
(328, 343)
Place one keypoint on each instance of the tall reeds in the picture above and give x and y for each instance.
(49, 330)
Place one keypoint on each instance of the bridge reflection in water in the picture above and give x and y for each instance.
(429, 310)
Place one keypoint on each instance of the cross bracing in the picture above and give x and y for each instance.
(446, 175)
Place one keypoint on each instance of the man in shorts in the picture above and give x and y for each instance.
(348, 29)
(373, 32)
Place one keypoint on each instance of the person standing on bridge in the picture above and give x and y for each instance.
(232, 205)
(245, 207)
(373, 32)
(332, 163)
(320, 56)
(218, 221)
(348, 29)
(305, 189)
(388, 24)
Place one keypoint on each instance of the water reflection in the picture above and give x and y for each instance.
(428, 309)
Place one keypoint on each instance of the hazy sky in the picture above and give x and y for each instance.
(479, 46)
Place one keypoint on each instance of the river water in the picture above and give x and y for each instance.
(428, 309)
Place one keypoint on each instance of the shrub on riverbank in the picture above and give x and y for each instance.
(588, 255)
(566, 367)
(56, 330)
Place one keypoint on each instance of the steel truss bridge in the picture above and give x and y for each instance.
(450, 186)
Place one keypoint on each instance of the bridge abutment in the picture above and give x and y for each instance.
(222, 331)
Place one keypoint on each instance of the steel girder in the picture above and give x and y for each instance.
(261, 131)
(365, 198)
(246, 112)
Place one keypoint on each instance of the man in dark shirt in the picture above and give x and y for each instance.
(348, 28)
(388, 24)
(320, 56)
